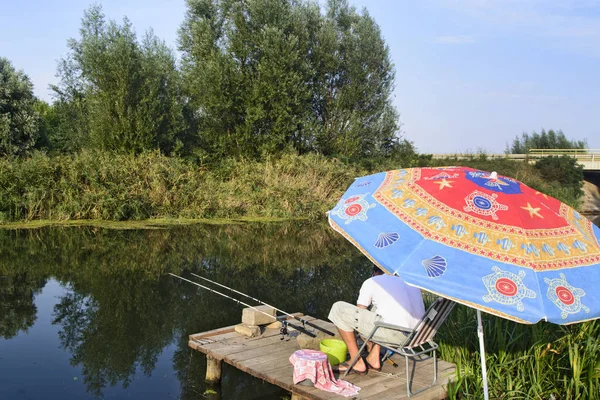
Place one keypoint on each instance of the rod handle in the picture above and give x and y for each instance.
(317, 327)
(301, 329)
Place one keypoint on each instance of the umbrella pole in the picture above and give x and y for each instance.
(482, 353)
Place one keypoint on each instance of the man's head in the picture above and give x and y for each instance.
(377, 270)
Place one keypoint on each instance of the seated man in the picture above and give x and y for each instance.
(392, 301)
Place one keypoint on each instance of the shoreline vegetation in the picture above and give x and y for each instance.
(156, 223)
(99, 188)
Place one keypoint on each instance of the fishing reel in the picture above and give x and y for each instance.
(283, 331)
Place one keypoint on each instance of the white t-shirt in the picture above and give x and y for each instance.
(396, 302)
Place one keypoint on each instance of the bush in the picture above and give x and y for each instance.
(562, 170)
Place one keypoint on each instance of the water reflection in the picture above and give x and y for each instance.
(17, 307)
(90, 313)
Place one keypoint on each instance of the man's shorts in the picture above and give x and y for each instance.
(349, 317)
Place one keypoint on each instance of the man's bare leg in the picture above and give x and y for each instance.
(350, 341)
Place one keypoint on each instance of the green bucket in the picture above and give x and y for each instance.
(335, 349)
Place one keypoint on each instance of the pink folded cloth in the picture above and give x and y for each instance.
(314, 365)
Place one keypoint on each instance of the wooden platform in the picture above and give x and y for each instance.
(267, 357)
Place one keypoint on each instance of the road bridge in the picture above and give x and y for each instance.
(589, 158)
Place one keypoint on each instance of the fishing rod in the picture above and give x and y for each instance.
(304, 322)
(284, 323)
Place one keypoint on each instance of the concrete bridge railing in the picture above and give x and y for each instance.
(589, 158)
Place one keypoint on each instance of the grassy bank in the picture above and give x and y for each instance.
(112, 187)
(105, 186)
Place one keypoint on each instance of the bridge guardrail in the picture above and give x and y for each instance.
(589, 158)
(565, 151)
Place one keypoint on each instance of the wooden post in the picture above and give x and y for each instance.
(296, 396)
(213, 370)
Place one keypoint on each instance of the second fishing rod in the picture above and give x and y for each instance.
(304, 322)
(284, 323)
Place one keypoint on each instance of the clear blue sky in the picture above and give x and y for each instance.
(470, 74)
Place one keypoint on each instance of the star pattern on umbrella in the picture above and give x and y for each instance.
(532, 210)
(543, 194)
(444, 183)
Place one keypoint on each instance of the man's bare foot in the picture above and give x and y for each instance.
(373, 362)
(357, 369)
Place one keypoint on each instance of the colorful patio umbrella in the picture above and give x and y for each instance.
(481, 239)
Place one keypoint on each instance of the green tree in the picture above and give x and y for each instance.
(246, 64)
(18, 117)
(123, 94)
(355, 79)
(63, 127)
(264, 75)
(544, 140)
(70, 107)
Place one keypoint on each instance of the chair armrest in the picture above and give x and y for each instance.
(380, 324)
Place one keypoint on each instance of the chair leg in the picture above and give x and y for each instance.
(355, 358)
(434, 368)
(426, 387)
(408, 392)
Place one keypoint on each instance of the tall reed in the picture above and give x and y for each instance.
(108, 186)
(541, 361)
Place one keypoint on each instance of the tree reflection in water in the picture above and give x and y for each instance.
(121, 310)
(17, 307)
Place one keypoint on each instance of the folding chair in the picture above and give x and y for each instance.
(419, 341)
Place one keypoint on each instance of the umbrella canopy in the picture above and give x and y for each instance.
(487, 241)
(481, 239)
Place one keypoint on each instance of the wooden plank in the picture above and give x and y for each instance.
(199, 343)
(374, 380)
(227, 349)
(267, 366)
(395, 384)
(282, 377)
(217, 331)
(359, 380)
(271, 361)
(254, 352)
(236, 340)
(434, 393)
(367, 380)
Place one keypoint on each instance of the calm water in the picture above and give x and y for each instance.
(88, 313)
